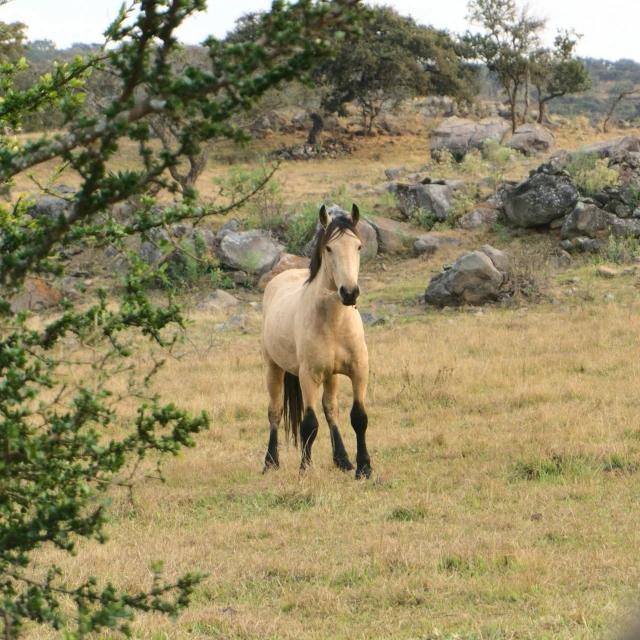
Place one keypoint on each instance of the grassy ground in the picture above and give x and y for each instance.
(505, 446)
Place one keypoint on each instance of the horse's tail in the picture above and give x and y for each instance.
(292, 406)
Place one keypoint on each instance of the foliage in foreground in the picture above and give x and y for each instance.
(65, 435)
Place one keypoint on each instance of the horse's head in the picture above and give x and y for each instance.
(338, 248)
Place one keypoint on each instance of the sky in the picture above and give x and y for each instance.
(610, 29)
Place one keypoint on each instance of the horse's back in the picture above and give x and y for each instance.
(279, 304)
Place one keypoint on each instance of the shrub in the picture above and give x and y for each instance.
(591, 174)
(300, 227)
(461, 204)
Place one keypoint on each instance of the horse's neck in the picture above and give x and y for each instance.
(324, 295)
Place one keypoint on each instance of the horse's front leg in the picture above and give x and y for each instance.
(309, 385)
(275, 379)
(330, 406)
(359, 422)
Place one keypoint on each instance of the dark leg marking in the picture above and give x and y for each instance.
(359, 423)
(308, 433)
(340, 456)
(271, 460)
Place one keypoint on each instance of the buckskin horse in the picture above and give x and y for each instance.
(312, 333)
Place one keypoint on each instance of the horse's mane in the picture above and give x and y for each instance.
(336, 228)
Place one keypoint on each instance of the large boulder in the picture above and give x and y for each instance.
(430, 243)
(589, 221)
(531, 139)
(539, 200)
(37, 295)
(251, 251)
(392, 236)
(433, 198)
(475, 279)
(612, 147)
(50, 207)
(459, 135)
(217, 301)
(478, 220)
(287, 261)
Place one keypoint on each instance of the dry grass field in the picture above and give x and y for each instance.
(506, 455)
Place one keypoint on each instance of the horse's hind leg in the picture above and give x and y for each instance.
(359, 422)
(275, 386)
(330, 406)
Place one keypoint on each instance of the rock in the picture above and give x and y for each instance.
(252, 251)
(230, 225)
(234, 322)
(372, 319)
(499, 258)
(608, 298)
(459, 135)
(287, 261)
(123, 211)
(539, 200)
(392, 236)
(394, 173)
(478, 220)
(591, 222)
(217, 301)
(612, 147)
(154, 251)
(237, 277)
(38, 295)
(636, 213)
(474, 279)
(181, 229)
(531, 139)
(50, 207)
(430, 243)
(433, 198)
(606, 272)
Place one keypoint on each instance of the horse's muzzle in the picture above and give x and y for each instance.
(348, 296)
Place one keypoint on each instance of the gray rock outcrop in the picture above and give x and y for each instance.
(459, 135)
(530, 139)
(251, 251)
(475, 279)
(432, 198)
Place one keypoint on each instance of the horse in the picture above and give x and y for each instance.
(312, 333)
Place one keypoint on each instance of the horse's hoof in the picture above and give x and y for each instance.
(344, 464)
(364, 473)
(270, 464)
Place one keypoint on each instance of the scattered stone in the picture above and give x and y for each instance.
(392, 236)
(479, 220)
(531, 139)
(539, 200)
(372, 319)
(433, 198)
(474, 279)
(459, 135)
(430, 243)
(217, 301)
(395, 173)
(50, 207)
(606, 272)
(38, 295)
(608, 298)
(588, 220)
(287, 261)
(234, 322)
(251, 251)
(612, 147)
(229, 226)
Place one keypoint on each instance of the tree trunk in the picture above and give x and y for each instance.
(616, 102)
(527, 99)
(317, 127)
(542, 111)
(514, 107)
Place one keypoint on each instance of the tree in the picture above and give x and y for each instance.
(619, 92)
(509, 37)
(65, 440)
(395, 58)
(556, 72)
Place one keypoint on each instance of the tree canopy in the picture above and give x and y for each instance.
(65, 440)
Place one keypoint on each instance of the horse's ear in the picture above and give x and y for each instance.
(355, 215)
(324, 217)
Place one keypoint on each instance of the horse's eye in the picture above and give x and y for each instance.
(329, 249)
(360, 247)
